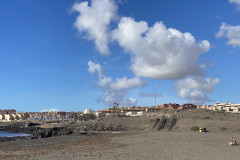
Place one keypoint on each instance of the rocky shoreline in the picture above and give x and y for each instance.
(34, 130)
(183, 120)
(39, 130)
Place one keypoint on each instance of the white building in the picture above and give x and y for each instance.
(228, 107)
(88, 111)
(134, 113)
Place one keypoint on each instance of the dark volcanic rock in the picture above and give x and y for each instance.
(30, 124)
(36, 132)
(18, 129)
(50, 132)
(106, 127)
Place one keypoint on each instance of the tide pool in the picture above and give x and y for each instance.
(12, 134)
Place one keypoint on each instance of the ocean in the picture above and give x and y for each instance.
(12, 134)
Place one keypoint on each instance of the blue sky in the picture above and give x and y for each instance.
(70, 55)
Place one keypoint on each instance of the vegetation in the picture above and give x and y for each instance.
(220, 111)
(26, 116)
(194, 128)
(11, 117)
(66, 126)
(82, 117)
(17, 117)
(222, 128)
(87, 117)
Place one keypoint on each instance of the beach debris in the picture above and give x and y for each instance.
(202, 130)
(233, 143)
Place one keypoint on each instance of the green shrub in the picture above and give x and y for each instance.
(194, 128)
(66, 126)
(238, 130)
(220, 111)
(222, 128)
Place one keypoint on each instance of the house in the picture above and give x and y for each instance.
(187, 106)
(101, 113)
(7, 117)
(173, 106)
(228, 107)
(169, 106)
(204, 106)
(88, 111)
(153, 109)
(8, 111)
(133, 112)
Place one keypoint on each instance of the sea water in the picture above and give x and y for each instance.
(12, 134)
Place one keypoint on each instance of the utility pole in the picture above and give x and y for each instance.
(115, 107)
(155, 93)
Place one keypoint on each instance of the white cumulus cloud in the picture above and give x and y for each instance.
(95, 68)
(95, 20)
(232, 33)
(158, 52)
(115, 92)
(237, 2)
(234, 1)
(195, 88)
(124, 83)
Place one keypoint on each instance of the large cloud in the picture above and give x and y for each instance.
(124, 83)
(195, 88)
(95, 20)
(115, 92)
(237, 2)
(158, 52)
(231, 32)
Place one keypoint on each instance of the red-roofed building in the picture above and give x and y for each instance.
(187, 106)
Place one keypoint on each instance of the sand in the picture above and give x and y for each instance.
(139, 140)
(164, 145)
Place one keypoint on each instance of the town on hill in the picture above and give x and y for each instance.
(7, 115)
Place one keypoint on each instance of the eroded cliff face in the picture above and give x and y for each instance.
(165, 120)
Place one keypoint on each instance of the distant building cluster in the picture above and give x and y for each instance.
(226, 107)
(88, 114)
(139, 111)
(48, 115)
(11, 115)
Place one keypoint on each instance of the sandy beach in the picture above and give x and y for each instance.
(139, 139)
(146, 145)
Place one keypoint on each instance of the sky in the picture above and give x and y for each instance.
(70, 55)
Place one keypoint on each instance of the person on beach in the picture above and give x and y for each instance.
(233, 143)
